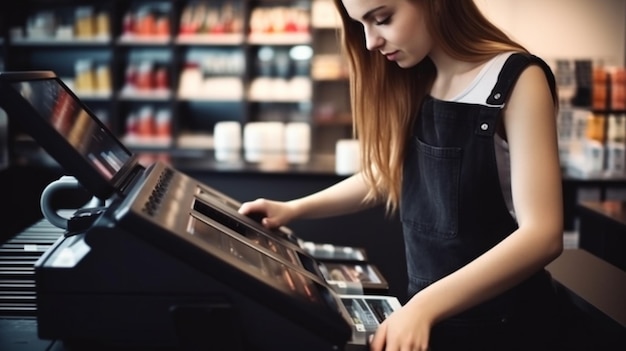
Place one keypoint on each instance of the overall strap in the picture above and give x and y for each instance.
(509, 74)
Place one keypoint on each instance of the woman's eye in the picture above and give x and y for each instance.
(384, 20)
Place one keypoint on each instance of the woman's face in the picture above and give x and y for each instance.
(395, 28)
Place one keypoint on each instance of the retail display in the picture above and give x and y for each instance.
(592, 119)
(194, 63)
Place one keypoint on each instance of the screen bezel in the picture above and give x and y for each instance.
(54, 143)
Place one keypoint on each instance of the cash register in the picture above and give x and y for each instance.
(167, 262)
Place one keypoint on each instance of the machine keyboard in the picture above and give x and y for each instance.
(17, 268)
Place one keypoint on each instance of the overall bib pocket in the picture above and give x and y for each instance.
(431, 190)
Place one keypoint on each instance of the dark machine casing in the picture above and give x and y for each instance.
(132, 280)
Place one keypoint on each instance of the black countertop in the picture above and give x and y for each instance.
(610, 210)
(597, 287)
(190, 161)
(600, 285)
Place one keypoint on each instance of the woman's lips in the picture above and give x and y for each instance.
(391, 56)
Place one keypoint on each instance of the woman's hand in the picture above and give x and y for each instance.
(405, 329)
(273, 213)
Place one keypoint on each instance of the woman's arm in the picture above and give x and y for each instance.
(530, 125)
(342, 198)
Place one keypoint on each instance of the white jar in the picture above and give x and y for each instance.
(347, 157)
(297, 142)
(227, 141)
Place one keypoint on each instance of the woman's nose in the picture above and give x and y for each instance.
(373, 40)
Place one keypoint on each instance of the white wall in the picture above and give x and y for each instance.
(569, 29)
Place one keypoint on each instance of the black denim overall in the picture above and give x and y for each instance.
(453, 210)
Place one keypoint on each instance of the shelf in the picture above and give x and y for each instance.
(331, 79)
(94, 96)
(223, 87)
(280, 39)
(607, 112)
(52, 41)
(210, 39)
(341, 120)
(144, 40)
(152, 95)
(147, 143)
(209, 98)
(286, 100)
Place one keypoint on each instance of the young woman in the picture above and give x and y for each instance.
(457, 128)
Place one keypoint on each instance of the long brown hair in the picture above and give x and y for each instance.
(385, 98)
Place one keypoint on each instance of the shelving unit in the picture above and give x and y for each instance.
(190, 77)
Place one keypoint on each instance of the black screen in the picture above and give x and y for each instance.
(75, 124)
(65, 127)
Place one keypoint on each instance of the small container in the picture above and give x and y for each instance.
(616, 129)
(103, 25)
(347, 157)
(146, 126)
(163, 123)
(594, 153)
(103, 79)
(274, 141)
(84, 25)
(161, 80)
(253, 139)
(615, 158)
(191, 79)
(227, 141)
(85, 80)
(145, 77)
(596, 127)
(297, 142)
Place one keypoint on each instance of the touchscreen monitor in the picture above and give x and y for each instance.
(71, 133)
